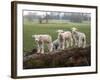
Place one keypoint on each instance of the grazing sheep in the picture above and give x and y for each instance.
(41, 40)
(55, 44)
(64, 38)
(79, 38)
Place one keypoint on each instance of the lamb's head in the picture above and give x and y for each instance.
(60, 31)
(74, 29)
(36, 37)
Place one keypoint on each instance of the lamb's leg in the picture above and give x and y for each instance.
(80, 43)
(76, 42)
(38, 48)
(63, 45)
(60, 45)
(50, 47)
(71, 42)
(84, 43)
(67, 43)
(54, 47)
(42, 48)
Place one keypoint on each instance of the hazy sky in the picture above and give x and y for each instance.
(37, 12)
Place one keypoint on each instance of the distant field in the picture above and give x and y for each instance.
(31, 28)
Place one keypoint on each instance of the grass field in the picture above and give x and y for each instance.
(31, 28)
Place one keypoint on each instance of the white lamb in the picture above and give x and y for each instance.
(41, 40)
(79, 38)
(65, 39)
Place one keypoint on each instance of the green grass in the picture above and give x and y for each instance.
(31, 28)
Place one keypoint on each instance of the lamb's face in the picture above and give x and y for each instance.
(36, 37)
(74, 29)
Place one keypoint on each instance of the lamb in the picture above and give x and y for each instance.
(42, 39)
(64, 37)
(55, 44)
(79, 38)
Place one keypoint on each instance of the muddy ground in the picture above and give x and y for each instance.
(71, 57)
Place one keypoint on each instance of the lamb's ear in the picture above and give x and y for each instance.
(71, 28)
(59, 31)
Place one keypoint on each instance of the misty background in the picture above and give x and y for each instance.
(56, 17)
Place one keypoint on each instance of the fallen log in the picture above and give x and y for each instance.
(65, 58)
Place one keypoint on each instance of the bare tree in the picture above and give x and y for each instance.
(46, 17)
